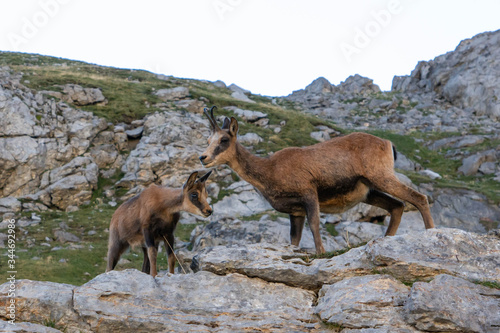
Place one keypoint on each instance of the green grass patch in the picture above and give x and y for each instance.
(489, 284)
(331, 254)
(330, 227)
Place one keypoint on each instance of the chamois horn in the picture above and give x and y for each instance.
(210, 117)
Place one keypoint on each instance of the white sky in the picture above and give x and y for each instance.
(270, 47)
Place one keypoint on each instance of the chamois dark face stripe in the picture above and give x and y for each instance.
(220, 148)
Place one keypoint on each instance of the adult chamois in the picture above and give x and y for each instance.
(330, 177)
(151, 216)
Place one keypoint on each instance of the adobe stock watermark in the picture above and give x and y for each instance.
(32, 25)
(364, 36)
(10, 306)
(222, 7)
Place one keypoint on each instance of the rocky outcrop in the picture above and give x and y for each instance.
(168, 150)
(44, 147)
(230, 231)
(468, 77)
(407, 283)
(172, 94)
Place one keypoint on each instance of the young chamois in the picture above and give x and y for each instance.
(148, 217)
(330, 177)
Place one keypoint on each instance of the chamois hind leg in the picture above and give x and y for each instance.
(115, 250)
(391, 185)
(170, 253)
(145, 264)
(393, 206)
(312, 211)
(296, 227)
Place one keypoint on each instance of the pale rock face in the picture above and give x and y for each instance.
(80, 96)
(467, 77)
(168, 150)
(273, 287)
(42, 142)
(363, 301)
(172, 94)
(463, 306)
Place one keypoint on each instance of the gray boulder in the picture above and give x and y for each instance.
(471, 164)
(463, 209)
(168, 150)
(357, 84)
(320, 86)
(172, 94)
(9, 205)
(250, 139)
(364, 302)
(451, 304)
(247, 115)
(81, 96)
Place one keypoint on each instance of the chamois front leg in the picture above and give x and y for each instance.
(312, 211)
(296, 227)
(171, 257)
(152, 250)
(145, 264)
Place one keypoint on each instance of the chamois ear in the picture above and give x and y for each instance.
(204, 178)
(191, 180)
(233, 127)
(225, 125)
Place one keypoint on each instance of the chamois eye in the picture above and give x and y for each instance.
(224, 140)
(194, 195)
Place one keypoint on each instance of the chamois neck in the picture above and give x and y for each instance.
(250, 167)
(172, 199)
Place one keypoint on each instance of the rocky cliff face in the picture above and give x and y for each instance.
(466, 77)
(44, 147)
(411, 283)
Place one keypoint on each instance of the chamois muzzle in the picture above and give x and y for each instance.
(208, 212)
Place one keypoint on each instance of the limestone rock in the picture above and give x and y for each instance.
(363, 302)
(233, 231)
(44, 302)
(320, 136)
(452, 304)
(418, 255)
(172, 94)
(471, 164)
(467, 77)
(191, 302)
(80, 96)
(281, 263)
(168, 150)
(247, 115)
(9, 205)
(135, 133)
(245, 203)
(26, 327)
(233, 87)
(357, 84)
(425, 254)
(64, 236)
(241, 96)
(250, 139)
(463, 209)
(220, 84)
